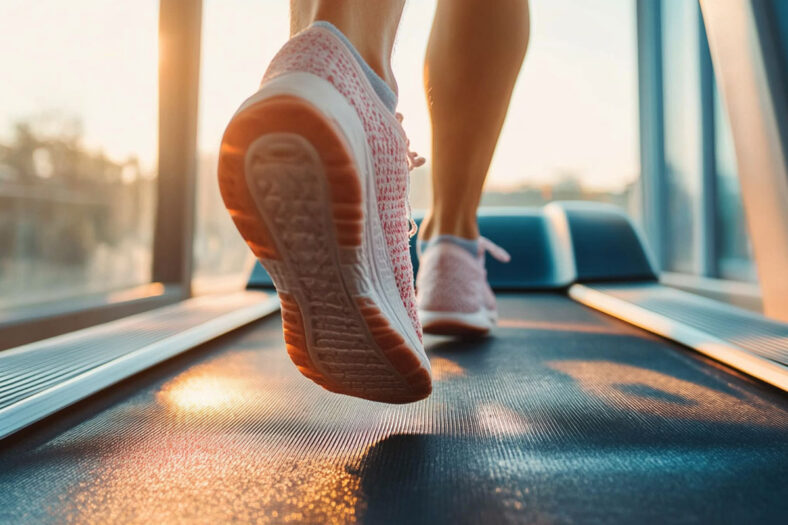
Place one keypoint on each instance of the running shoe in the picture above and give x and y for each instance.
(454, 296)
(314, 171)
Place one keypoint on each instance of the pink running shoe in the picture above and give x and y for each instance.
(454, 297)
(314, 171)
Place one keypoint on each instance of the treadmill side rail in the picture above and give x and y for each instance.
(740, 339)
(41, 378)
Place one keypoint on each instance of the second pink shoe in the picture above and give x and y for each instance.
(452, 291)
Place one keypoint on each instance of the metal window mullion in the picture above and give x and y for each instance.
(180, 25)
(652, 127)
(707, 254)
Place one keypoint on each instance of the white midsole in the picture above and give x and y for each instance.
(376, 264)
(482, 319)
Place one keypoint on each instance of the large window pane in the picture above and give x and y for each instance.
(681, 63)
(726, 244)
(239, 38)
(571, 131)
(78, 124)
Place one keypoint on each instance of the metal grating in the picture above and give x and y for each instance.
(45, 368)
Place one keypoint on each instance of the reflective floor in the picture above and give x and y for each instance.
(565, 416)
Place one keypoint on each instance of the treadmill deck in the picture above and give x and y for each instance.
(566, 415)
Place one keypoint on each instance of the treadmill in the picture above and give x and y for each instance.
(603, 396)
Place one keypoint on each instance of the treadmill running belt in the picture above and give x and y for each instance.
(566, 416)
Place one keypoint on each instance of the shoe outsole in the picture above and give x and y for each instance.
(455, 328)
(458, 324)
(290, 184)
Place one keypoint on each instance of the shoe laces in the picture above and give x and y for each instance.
(414, 161)
(495, 251)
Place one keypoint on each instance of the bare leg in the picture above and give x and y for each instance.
(474, 55)
(371, 26)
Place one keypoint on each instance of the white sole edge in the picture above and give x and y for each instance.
(482, 320)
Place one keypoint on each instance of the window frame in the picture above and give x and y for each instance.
(179, 36)
(653, 163)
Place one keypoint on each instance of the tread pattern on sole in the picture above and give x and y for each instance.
(300, 209)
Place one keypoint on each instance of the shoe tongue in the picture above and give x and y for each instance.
(384, 92)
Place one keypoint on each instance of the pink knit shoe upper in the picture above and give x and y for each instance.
(450, 279)
(319, 52)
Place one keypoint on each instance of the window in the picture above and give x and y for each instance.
(703, 216)
(571, 131)
(78, 126)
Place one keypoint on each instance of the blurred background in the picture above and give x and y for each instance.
(79, 135)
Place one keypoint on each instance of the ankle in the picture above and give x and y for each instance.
(463, 226)
(370, 27)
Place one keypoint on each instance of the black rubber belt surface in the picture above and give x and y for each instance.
(566, 416)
